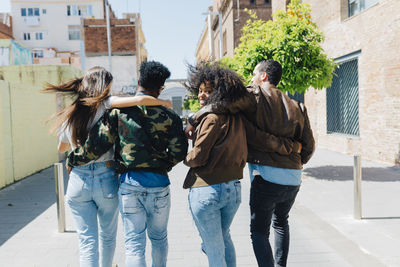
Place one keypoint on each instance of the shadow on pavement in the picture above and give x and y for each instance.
(345, 173)
(381, 218)
(22, 202)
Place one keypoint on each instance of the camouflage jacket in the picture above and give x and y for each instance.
(145, 138)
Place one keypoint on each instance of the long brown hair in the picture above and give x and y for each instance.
(90, 91)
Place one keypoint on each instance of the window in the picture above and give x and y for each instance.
(82, 11)
(31, 12)
(268, 1)
(44, 11)
(26, 36)
(39, 36)
(297, 96)
(356, 6)
(38, 54)
(342, 99)
(74, 32)
(252, 2)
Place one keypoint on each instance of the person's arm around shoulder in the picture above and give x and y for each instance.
(100, 139)
(308, 142)
(265, 142)
(138, 100)
(207, 135)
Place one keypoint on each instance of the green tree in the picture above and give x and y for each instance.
(293, 40)
(191, 103)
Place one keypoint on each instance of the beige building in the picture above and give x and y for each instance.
(360, 112)
(56, 24)
(233, 17)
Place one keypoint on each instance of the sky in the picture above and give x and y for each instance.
(172, 28)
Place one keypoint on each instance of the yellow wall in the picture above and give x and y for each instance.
(26, 145)
(6, 163)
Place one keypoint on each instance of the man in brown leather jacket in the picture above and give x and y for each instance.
(276, 178)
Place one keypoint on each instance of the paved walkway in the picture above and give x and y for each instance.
(323, 231)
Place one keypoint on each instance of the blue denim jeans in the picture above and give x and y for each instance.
(213, 209)
(269, 201)
(145, 208)
(92, 195)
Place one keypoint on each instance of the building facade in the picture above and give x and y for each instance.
(360, 112)
(127, 49)
(56, 24)
(233, 18)
(6, 26)
(176, 92)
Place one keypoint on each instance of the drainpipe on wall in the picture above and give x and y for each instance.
(210, 38)
(238, 9)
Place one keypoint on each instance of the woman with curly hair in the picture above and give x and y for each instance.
(221, 137)
(217, 159)
(92, 188)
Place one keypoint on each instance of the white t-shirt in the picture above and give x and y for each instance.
(65, 133)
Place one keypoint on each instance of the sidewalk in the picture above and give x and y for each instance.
(323, 231)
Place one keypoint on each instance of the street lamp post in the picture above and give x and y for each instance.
(108, 34)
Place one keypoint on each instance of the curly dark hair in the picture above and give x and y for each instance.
(153, 75)
(227, 85)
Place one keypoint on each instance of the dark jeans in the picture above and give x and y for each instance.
(269, 201)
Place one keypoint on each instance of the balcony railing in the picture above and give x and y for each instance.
(32, 20)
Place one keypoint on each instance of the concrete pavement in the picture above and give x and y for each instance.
(323, 231)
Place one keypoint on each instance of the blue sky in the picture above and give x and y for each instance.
(172, 28)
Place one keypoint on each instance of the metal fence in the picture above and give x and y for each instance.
(342, 100)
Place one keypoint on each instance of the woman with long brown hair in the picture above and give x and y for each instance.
(92, 188)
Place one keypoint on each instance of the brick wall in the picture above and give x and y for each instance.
(5, 31)
(376, 33)
(123, 40)
(263, 11)
(231, 26)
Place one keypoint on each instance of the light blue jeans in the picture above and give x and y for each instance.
(213, 208)
(145, 208)
(92, 195)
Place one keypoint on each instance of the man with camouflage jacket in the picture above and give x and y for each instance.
(148, 141)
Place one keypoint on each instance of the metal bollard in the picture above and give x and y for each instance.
(59, 182)
(357, 175)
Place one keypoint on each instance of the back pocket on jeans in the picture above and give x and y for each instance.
(129, 203)
(208, 195)
(109, 186)
(75, 186)
(162, 202)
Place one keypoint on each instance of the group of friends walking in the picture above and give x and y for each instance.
(124, 147)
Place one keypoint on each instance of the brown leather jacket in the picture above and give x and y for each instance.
(281, 116)
(219, 151)
(275, 125)
(221, 141)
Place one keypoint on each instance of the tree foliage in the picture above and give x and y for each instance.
(293, 40)
(191, 103)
